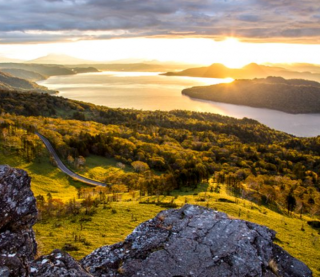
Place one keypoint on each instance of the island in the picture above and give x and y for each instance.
(291, 96)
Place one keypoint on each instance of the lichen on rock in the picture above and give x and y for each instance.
(195, 241)
(18, 214)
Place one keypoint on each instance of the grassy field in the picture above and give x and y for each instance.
(107, 226)
(98, 168)
(114, 223)
(118, 219)
(45, 177)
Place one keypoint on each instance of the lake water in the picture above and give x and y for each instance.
(150, 91)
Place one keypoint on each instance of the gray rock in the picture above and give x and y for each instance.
(195, 241)
(13, 266)
(19, 243)
(57, 264)
(17, 203)
(18, 213)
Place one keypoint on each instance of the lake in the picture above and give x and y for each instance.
(150, 91)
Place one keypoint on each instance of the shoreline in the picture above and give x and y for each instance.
(117, 94)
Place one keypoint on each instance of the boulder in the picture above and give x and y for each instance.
(57, 264)
(17, 203)
(18, 214)
(195, 241)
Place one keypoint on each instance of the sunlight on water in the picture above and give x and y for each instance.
(151, 91)
(208, 81)
(130, 74)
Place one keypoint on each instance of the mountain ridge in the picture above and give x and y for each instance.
(250, 71)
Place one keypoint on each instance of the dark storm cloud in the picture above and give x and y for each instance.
(52, 20)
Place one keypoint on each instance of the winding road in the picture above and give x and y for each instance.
(63, 168)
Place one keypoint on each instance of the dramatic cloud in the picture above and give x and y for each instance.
(60, 20)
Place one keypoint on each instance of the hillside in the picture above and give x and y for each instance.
(249, 71)
(157, 160)
(291, 96)
(11, 83)
(169, 236)
(24, 74)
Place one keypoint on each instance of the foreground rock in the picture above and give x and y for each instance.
(195, 241)
(57, 264)
(18, 213)
(191, 241)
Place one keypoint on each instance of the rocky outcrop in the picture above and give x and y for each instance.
(195, 241)
(191, 241)
(18, 213)
(57, 264)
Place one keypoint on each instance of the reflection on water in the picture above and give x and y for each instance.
(150, 91)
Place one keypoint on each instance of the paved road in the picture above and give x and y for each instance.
(63, 168)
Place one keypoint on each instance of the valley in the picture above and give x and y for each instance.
(157, 160)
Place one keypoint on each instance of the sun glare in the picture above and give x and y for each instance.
(230, 52)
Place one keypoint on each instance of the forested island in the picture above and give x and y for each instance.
(291, 96)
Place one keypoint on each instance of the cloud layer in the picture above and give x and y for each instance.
(59, 20)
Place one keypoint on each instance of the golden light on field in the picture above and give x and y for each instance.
(230, 52)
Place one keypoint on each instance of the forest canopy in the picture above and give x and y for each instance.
(184, 147)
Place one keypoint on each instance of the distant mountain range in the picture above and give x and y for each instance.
(113, 65)
(301, 67)
(36, 72)
(249, 71)
(291, 96)
(59, 59)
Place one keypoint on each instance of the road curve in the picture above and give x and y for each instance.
(63, 168)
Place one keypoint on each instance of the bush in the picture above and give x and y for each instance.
(225, 200)
(314, 224)
(70, 247)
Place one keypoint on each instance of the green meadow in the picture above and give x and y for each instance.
(111, 223)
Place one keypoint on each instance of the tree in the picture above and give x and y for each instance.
(140, 166)
(291, 202)
(80, 161)
(121, 165)
(70, 159)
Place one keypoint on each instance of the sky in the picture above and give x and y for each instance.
(191, 31)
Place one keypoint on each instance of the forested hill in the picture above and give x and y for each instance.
(186, 147)
(9, 82)
(35, 104)
(291, 96)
